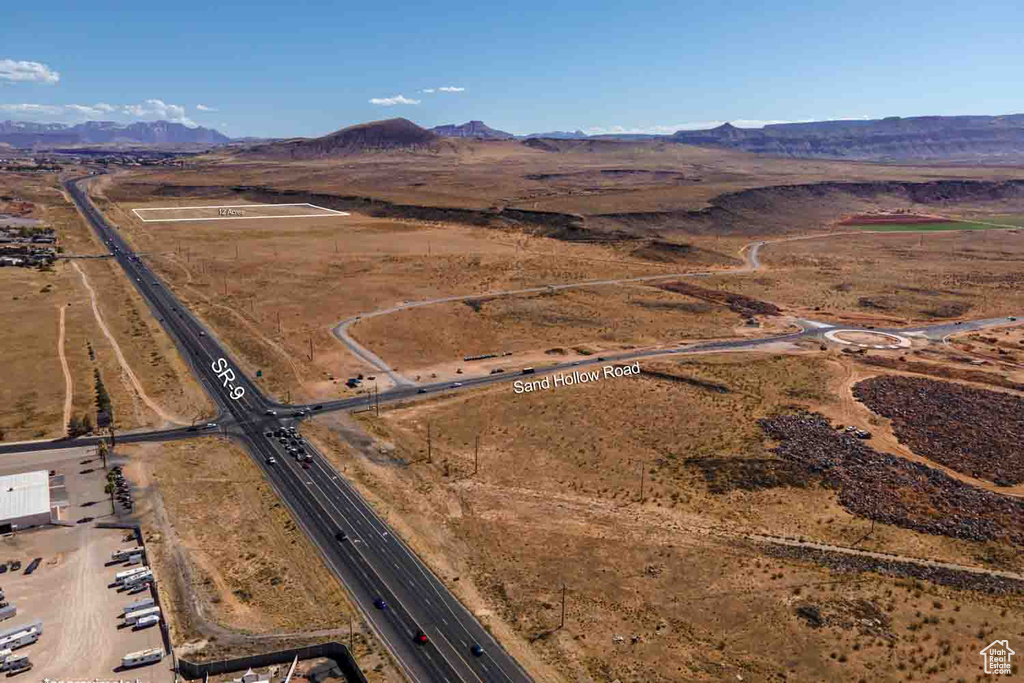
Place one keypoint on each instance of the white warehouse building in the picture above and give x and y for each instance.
(24, 500)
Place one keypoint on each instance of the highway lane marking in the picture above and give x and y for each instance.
(369, 616)
(419, 568)
(384, 554)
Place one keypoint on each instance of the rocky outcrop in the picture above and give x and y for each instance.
(968, 138)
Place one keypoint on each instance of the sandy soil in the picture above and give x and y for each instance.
(290, 283)
(237, 574)
(33, 397)
(892, 279)
(556, 499)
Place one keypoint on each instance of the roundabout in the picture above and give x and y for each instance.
(868, 339)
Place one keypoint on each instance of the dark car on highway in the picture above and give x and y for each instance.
(380, 604)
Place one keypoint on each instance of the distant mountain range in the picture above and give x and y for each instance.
(28, 135)
(936, 138)
(894, 138)
(481, 131)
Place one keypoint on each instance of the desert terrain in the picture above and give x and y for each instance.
(688, 512)
(688, 582)
(56, 337)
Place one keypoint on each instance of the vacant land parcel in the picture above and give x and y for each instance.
(273, 290)
(171, 214)
(642, 513)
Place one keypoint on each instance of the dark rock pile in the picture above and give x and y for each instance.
(893, 490)
(977, 432)
(955, 578)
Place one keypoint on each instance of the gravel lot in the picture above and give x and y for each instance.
(69, 591)
(894, 490)
(972, 431)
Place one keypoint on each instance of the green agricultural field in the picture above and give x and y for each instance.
(918, 227)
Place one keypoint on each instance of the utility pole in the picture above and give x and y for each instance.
(311, 347)
(642, 479)
(335, 246)
(225, 285)
(236, 251)
(476, 455)
(376, 397)
(428, 444)
(562, 625)
(351, 635)
(279, 322)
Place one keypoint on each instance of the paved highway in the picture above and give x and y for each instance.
(371, 562)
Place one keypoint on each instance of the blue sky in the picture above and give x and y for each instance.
(307, 68)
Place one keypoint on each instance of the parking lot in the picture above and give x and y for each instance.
(70, 590)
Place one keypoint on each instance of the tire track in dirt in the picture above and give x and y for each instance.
(69, 384)
(125, 367)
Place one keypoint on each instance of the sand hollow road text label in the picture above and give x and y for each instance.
(568, 379)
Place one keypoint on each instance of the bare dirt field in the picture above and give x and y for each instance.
(891, 278)
(187, 213)
(594, 178)
(561, 323)
(661, 589)
(238, 576)
(291, 282)
(34, 395)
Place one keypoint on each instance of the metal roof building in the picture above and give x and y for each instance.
(24, 500)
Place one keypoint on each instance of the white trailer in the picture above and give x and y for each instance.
(16, 664)
(145, 575)
(121, 576)
(142, 657)
(124, 553)
(134, 559)
(147, 621)
(20, 639)
(137, 605)
(133, 617)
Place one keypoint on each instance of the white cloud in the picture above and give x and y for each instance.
(150, 109)
(158, 109)
(444, 88)
(89, 111)
(33, 109)
(27, 72)
(392, 101)
(203, 107)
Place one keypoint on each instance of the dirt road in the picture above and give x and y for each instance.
(125, 367)
(69, 384)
